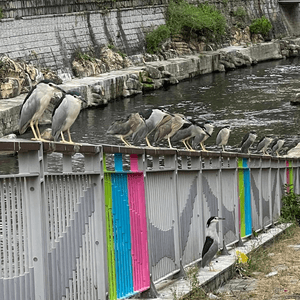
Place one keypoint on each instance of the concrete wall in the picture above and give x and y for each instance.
(48, 33)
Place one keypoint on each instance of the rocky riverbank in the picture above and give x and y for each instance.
(153, 72)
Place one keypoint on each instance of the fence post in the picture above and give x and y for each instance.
(94, 164)
(31, 163)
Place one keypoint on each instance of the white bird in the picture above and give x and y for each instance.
(64, 115)
(34, 106)
(211, 244)
(223, 136)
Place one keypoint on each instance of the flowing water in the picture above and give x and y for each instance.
(255, 98)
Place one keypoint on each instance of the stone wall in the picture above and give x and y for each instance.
(48, 33)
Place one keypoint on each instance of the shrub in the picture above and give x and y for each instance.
(261, 25)
(203, 19)
(290, 211)
(155, 38)
(1, 14)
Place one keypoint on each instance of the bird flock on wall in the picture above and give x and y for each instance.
(155, 125)
(64, 114)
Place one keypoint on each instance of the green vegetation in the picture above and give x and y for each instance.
(155, 38)
(240, 12)
(261, 25)
(83, 56)
(186, 19)
(1, 14)
(290, 211)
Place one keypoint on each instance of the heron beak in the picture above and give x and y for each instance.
(219, 218)
(59, 88)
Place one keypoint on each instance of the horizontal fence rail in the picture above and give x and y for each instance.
(98, 221)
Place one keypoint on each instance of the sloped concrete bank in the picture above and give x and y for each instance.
(101, 89)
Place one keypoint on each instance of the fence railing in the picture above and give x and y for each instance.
(98, 221)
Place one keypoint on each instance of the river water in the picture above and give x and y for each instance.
(254, 98)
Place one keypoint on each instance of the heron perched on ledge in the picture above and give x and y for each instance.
(65, 114)
(154, 118)
(211, 244)
(223, 136)
(263, 144)
(276, 145)
(247, 141)
(125, 127)
(34, 106)
(208, 129)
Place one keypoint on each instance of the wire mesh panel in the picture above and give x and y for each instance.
(266, 195)
(70, 209)
(190, 214)
(16, 272)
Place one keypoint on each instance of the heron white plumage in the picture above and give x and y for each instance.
(211, 244)
(276, 146)
(263, 144)
(223, 136)
(125, 127)
(64, 115)
(247, 141)
(34, 106)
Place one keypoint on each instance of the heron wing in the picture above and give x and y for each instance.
(246, 136)
(29, 107)
(210, 249)
(162, 131)
(59, 118)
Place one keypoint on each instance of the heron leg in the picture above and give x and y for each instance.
(203, 147)
(148, 143)
(33, 130)
(125, 142)
(190, 147)
(170, 145)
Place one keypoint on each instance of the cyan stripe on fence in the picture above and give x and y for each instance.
(128, 257)
(245, 197)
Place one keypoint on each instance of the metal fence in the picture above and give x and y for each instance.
(97, 222)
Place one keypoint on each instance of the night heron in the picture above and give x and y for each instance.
(188, 131)
(211, 244)
(223, 136)
(64, 115)
(263, 144)
(169, 128)
(123, 128)
(34, 106)
(201, 138)
(276, 146)
(247, 141)
(153, 117)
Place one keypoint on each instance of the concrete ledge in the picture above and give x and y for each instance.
(224, 266)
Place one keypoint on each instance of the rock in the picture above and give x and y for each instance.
(153, 72)
(271, 274)
(10, 88)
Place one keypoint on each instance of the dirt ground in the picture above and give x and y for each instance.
(274, 272)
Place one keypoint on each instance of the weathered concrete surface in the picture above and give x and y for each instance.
(101, 89)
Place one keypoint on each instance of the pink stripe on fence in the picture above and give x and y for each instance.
(138, 222)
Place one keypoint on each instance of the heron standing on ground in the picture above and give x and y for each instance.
(125, 127)
(34, 106)
(65, 114)
(211, 244)
(223, 136)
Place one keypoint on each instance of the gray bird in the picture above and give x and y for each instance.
(34, 106)
(169, 128)
(276, 145)
(223, 136)
(201, 138)
(211, 244)
(188, 131)
(247, 141)
(64, 115)
(263, 144)
(153, 117)
(125, 127)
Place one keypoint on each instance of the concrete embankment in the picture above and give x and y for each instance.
(101, 89)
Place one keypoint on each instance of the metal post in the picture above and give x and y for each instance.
(31, 162)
